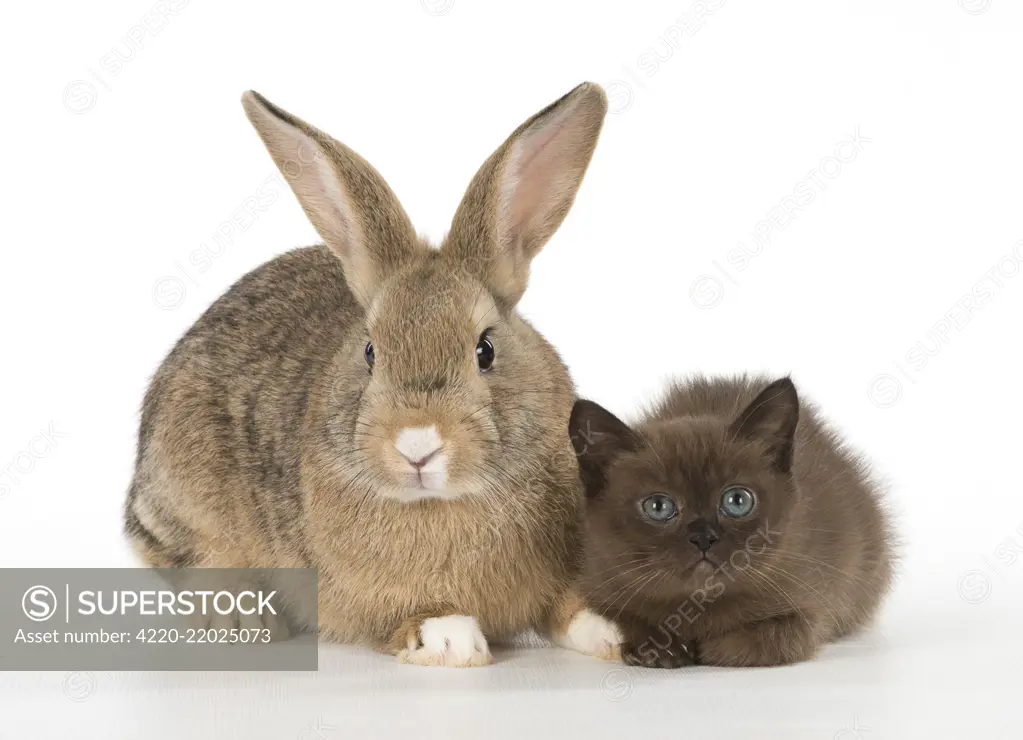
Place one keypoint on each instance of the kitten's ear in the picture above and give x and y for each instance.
(597, 437)
(771, 418)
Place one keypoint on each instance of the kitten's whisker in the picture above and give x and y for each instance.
(640, 583)
(620, 592)
(764, 578)
(615, 577)
(866, 584)
(824, 601)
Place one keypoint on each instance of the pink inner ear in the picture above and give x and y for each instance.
(540, 176)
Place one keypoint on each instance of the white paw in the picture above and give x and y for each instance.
(452, 641)
(591, 634)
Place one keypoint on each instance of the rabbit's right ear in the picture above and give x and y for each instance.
(348, 202)
(524, 190)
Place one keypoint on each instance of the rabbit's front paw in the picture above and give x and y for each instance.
(452, 641)
(591, 634)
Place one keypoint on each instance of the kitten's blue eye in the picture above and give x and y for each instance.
(737, 502)
(659, 507)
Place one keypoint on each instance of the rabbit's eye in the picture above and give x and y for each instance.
(484, 353)
(370, 358)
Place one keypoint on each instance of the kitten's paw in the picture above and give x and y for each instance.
(775, 641)
(453, 641)
(591, 634)
(648, 654)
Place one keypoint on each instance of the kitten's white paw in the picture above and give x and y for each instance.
(591, 634)
(453, 641)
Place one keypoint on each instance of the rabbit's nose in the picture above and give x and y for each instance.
(418, 445)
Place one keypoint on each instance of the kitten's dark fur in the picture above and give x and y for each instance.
(810, 563)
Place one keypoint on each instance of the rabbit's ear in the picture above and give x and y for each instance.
(347, 200)
(522, 193)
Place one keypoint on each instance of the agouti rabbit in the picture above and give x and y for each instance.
(376, 409)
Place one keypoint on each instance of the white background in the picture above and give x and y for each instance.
(115, 175)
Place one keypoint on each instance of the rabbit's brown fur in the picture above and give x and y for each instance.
(266, 441)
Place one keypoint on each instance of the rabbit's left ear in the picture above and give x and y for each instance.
(524, 190)
(348, 202)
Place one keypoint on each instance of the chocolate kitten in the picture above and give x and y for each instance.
(728, 527)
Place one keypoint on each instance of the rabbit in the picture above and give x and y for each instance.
(376, 409)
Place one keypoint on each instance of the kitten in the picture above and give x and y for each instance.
(728, 527)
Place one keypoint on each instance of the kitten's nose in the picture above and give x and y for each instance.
(702, 534)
